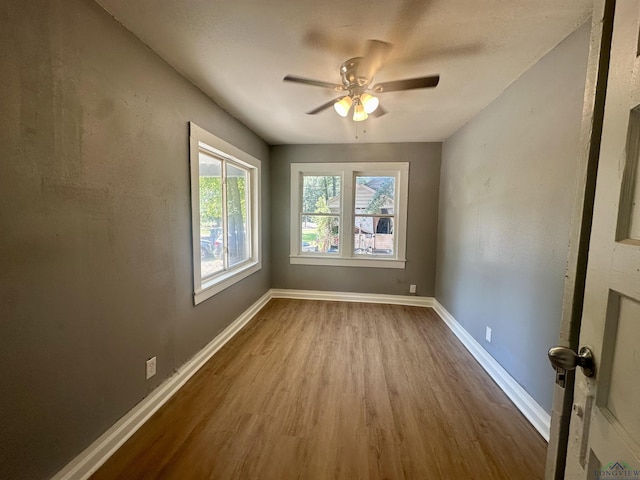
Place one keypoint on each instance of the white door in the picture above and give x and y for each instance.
(604, 439)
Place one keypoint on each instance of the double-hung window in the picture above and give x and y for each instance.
(349, 214)
(225, 213)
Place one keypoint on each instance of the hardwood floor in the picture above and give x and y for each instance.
(322, 390)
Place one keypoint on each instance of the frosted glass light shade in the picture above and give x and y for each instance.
(343, 106)
(358, 113)
(369, 102)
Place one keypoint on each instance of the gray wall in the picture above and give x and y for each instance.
(506, 191)
(95, 237)
(424, 176)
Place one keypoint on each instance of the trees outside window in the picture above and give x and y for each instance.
(343, 214)
(225, 211)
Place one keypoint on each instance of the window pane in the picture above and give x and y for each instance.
(375, 195)
(237, 234)
(320, 194)
(373, 235)
(210, 214)
(320, 233)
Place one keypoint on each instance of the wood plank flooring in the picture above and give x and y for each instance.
(333, 390)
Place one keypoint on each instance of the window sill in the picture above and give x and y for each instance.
(347, 262)
(217, 284)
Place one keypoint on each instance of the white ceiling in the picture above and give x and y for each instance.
(238, 51)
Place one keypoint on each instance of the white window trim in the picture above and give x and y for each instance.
(199, 137)
(347, 172)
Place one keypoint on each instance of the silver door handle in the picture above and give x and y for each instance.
(566, 358)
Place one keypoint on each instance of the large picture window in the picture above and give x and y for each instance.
(225, 217)
(350, 214)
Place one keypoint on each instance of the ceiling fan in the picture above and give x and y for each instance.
(357, 76)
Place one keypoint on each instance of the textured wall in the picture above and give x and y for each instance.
(506, 191)
(95, 238)
(424, 175)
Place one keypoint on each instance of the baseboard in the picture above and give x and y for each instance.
(85, 464)
(410, 300)
(536, 415)
(99, 451)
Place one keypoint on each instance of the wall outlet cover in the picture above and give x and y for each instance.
(151, 367)
(488, 334)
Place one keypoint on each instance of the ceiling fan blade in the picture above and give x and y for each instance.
(322, 107)
(378, 112)
(315, 83)
(407, 84)
(375, 56)
(405, 22)
(408, 19)
(329, 42)
(430, 53)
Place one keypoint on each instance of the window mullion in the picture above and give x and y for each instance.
(295, 229)
(347, 213)
(300, 186)
(225, 225)
(398, 229)
(247, 226)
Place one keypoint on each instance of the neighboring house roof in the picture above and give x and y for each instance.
(364, 195)
(377, 182)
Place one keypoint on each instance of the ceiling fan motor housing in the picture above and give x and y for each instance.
(351, 76)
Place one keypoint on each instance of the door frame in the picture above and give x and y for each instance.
(580, 233)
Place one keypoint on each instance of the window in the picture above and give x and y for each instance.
(349, 214)
(225, 213)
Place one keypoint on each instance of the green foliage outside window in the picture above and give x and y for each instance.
(210, 200)
(384, 194)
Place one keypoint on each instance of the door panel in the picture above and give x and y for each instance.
(624, 367)
(605, 424)
(629, 221)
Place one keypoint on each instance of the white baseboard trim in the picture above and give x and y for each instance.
(106, 445)
(409, 300)
(536, 415)
(87, 462)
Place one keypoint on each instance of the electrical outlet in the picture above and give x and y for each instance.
(151, 367)
(412, 289)
(487, 335)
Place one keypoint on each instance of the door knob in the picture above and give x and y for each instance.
(566, 358)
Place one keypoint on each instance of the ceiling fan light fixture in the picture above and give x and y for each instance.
(359, 114)
(369, 102)
(343, 106)
(357, 88)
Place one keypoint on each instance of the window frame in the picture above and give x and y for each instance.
(346, 255)
(202, 140)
